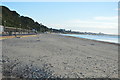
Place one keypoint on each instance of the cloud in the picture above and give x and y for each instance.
(113, 18)
(77, 25)
(108, 28)
(94, 24)
(97, 24)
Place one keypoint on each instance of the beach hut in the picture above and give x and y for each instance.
(1, 28)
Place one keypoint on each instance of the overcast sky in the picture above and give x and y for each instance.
(78, 16)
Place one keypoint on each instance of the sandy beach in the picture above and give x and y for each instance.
(57, 56)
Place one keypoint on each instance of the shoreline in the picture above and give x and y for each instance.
(92, 39)
(95, 40)
(57, 56)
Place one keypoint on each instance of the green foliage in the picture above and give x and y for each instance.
(13, 19)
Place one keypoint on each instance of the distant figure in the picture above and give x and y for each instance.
(15, 35)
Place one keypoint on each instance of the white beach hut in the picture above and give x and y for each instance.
(1, 28)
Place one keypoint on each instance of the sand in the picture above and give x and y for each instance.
(57, 56)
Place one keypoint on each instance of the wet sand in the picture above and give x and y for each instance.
(57, 56)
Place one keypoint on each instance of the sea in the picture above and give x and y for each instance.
(105, 38)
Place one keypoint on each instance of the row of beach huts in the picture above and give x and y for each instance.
(4, 30)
